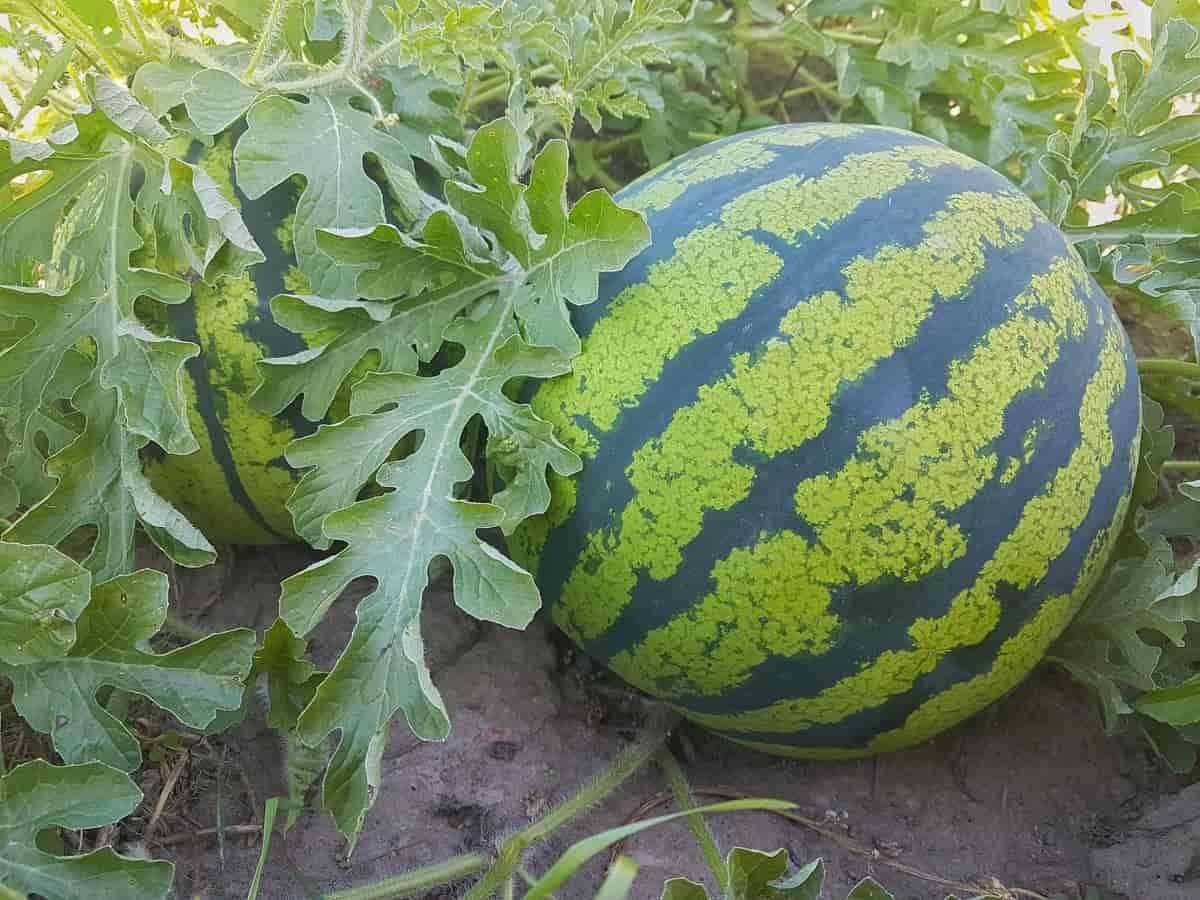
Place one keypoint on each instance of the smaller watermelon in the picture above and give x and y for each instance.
(234, 488)
(858, 432)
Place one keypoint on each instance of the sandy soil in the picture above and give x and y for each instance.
(1031, 792)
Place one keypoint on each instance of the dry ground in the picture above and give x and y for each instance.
(1031, 792)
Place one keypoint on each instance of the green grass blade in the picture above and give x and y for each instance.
(268, 826)
(619, 880)
(579, 853)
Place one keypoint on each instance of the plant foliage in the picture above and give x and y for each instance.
(459, 207)
(36, 797)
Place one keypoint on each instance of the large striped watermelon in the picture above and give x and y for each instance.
(235, 486)
(858, 432)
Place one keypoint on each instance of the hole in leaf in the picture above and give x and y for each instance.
(80, 542)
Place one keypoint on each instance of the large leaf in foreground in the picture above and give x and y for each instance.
(497, 232)
(506, 258)
(36, 796)
(395, 537)
(86, 256)
(56, 691)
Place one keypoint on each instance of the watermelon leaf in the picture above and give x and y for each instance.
(104, 233)
(37, 796)
(1174, 705)
(338, 192)
(70, 639)
(1117, 641)
(535, 259)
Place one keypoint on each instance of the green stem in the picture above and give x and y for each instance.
(464, 102)
(128, 12)
(267, 37)
(606, 181)
(1178, 367)
(827, 89)
(850, 37)
(682, 792)
(606, 148)
(497, 86)
(1180, 466)
(770, 35)
(509, 859)
(353, 59)
(418, 880)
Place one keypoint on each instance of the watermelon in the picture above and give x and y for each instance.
(235, 486)
(858, 432)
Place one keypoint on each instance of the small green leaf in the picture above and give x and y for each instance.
(1146, 91)
(215, 100)
(683, 889)
(161, 86)
(37, 796)
(1178, 705)
(57, 693)
(53, 70)
(869, 889)
(291, 679)
(1126, 631)
(755, 875)
(102, 17)
(42, 594)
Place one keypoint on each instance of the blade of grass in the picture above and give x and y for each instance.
(272, 808)
(55, 67)
(418, 880)
(579, 853)
(619, 880)
(682, 792)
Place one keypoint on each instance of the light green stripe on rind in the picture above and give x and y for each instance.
(883, 514)
(708, 280)
(831, 341)
(196, 484)
(255, 439)
(656, 190)
(1022, 559)
(1015, 659)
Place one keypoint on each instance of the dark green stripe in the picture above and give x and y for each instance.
(182, 317)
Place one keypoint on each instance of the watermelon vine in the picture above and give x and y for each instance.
(449, 169)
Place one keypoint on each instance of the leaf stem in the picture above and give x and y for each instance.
(509, 858)
(769, 35)
(606, 148)
(682, 792)
(270, 28)
(497, 87)
(851, 37)
(1161, 366)
(417, 880)
(1180, 466)
(130, 17)
(605, 180)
